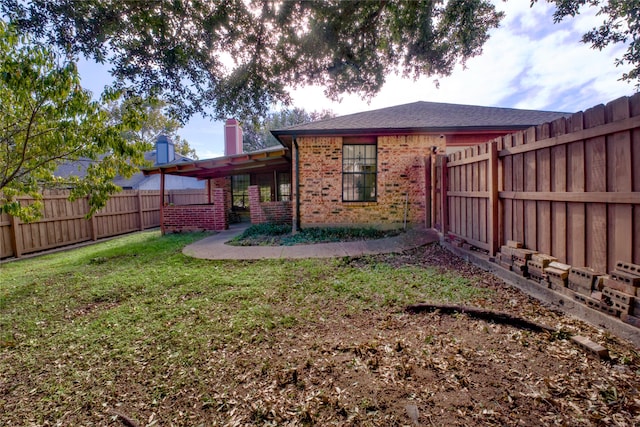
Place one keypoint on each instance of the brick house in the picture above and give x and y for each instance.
(255, 186)
(370, 168)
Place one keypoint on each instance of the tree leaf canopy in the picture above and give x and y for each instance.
(238, 58)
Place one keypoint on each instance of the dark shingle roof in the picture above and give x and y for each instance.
(427, 116)
(79, 168)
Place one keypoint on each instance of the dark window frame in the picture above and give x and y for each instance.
(360, 186)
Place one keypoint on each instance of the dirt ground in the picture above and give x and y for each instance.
(390, 368)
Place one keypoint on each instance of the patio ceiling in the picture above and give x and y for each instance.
(267, 160)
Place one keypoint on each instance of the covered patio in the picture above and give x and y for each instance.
(253, 187)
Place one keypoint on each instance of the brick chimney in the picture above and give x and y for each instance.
(232, 137)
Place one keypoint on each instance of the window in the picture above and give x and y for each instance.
(284, 186)
(240, 191)
(264, 181)
(359, 172)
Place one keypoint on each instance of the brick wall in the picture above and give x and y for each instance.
(268, 212)
(197, 217)
(401, 171)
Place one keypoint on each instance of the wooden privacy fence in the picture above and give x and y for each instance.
(63, 222)
(570, 188)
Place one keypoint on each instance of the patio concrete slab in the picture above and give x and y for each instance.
(214, 247)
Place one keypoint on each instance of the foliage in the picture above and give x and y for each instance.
(257, 131)
(46, 118)
(280, 234)
(621, 24)
(240, 57)
(156, 123)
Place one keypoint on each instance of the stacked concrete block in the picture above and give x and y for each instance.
(584, 280)
(520, 259)
(537, 264)
(557, 275)
(505, 257)
(621, 290)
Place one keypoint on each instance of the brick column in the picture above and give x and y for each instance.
(220, 209)
(255, 210)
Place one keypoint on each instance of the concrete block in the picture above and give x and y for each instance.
(591, 346)
(543, 259)
(626, 278)
(579, 288)
(506, 251)
(520, 268)
(610, 282)
(617, 300)
(514, 244)
(631, 320)
(583, 276)
(523, 255)
(628, 268)
(560, 266)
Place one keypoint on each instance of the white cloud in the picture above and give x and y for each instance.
(529, 62)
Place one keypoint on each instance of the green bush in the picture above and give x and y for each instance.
(279, 234)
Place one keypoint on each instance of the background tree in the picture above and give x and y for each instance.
(156, 123)
(46, 118)
(257, 132)
(621, 24)
(238, 58)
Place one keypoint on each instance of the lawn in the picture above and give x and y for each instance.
(132, 331)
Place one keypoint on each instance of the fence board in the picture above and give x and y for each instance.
(596, 172)
(575, 183)
(635, 141)
(530, 216)
(543, 183)
(507, 167)
(619, 178)
(518, 185)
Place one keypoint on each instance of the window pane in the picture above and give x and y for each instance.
(240, 191)
(284, 186)
(359, 172)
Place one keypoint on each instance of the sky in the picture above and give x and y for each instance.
(529, 62)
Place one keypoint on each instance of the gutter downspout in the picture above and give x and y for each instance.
(296, 220)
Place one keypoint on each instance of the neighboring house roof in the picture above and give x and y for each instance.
(79, 168)
(424, 117)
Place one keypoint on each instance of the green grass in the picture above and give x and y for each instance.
(71, 322)
(280, 234)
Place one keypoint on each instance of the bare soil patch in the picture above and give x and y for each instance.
(389, 368)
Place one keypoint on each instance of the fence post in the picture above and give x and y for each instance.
(140, 212)
(162, 201)
(15, 242)
(94, 227)
(427, 192)
(493, 199)
(444, 204)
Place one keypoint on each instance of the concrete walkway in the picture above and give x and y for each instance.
(214, 247)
